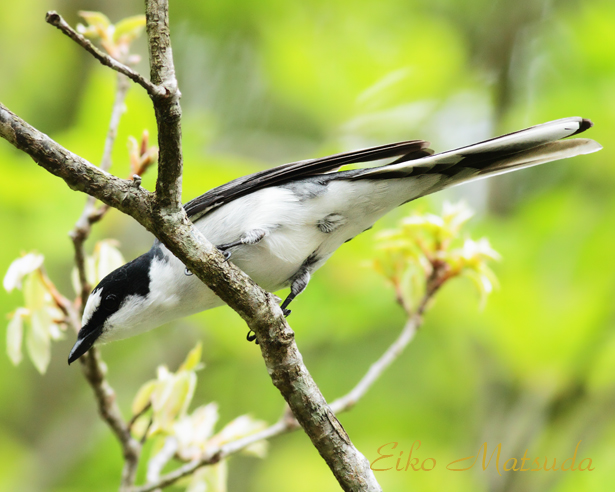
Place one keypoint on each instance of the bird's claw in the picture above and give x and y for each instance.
(251, 337)
(286, 312)
(226, 252)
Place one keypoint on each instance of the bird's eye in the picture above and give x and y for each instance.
(111, 302)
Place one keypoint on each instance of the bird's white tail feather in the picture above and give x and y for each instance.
(551, 151)
(525, 148)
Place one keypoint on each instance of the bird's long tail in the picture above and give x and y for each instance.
(525, 148)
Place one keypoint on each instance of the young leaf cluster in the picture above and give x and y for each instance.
(426, 250)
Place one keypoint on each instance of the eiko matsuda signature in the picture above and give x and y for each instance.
(408, 462)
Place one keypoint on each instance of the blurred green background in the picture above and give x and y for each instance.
(273, 81)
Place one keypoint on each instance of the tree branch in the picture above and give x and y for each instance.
(79, 174)
(167, 107)
(94, 370)
(91, 214)
(55, 19)
(349, 400)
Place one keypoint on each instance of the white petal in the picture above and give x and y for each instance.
(55, 331)
(34, 292)
(240, 427)
(14, 335)
(108, 258)
(19, 268)
(204, 420)
(37, 340)
(74, 279)
(456, 214)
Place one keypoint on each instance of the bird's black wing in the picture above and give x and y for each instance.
(405, 151)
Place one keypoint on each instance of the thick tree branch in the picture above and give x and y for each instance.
(79, 174)
(55, 19)
(167, 107)
(282, 357)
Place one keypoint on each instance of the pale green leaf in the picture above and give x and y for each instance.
(163, 373)
(37, 340)
(258, 449)
(96, 19)
(90, 271)
(143, 397)
(129, 28)
(171, 398)
(242, 426)
(74, 280)
(140, 426)
(14, 335)
(210, 479)
(456, 215)
(193, 359)
(34, 291)
(55, 330)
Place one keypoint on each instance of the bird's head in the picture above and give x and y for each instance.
(117, 307)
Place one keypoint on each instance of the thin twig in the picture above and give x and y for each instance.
(349, 400)
(287, 422)
(119, 107)
(161, 458)
(94, 370)
(91, 214)
(436, 279)
(72, 317)
(93, 367)
(55, 19)
(219, 453)
(134, 418)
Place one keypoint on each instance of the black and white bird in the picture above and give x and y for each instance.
(281, 225)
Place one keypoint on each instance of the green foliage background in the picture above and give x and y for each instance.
(273, 81)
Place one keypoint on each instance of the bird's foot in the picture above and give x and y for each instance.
(226, 252)
(251, 337)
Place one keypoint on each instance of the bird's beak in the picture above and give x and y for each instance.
(85, 340)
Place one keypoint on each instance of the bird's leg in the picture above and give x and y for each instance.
(250, 237)
(298, 284)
